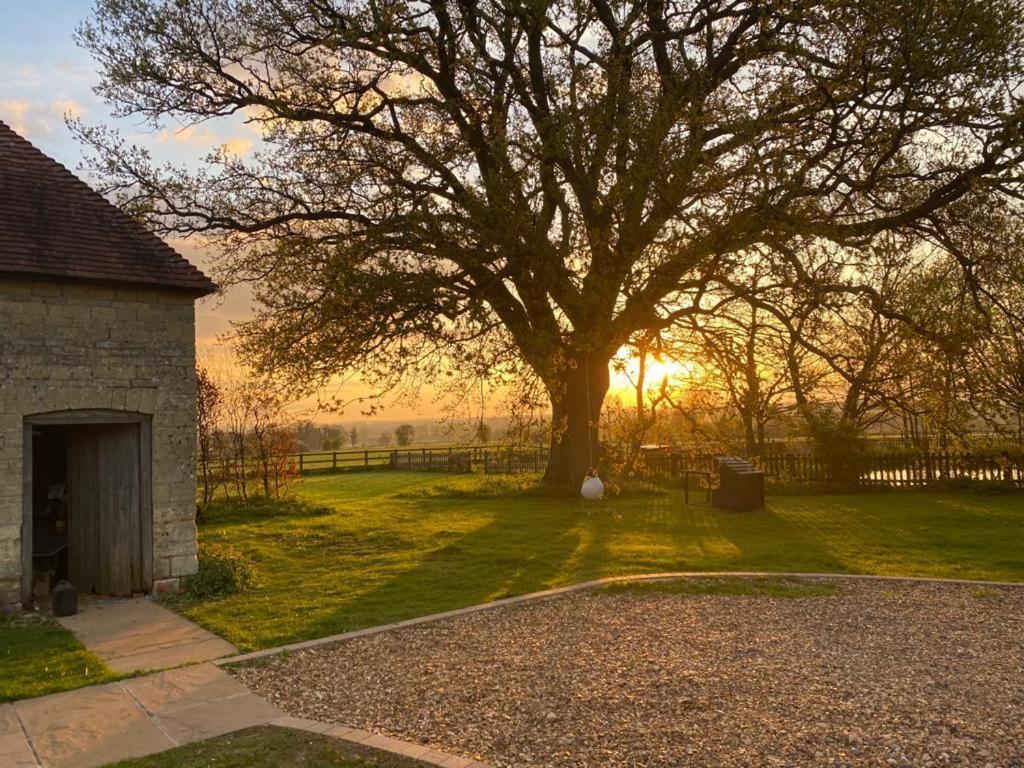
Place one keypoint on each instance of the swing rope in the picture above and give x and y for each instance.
(590, 442)
(592, 487)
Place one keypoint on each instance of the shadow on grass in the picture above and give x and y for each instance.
(401, 546)
(546, 543)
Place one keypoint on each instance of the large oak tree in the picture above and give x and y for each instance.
(538, 181)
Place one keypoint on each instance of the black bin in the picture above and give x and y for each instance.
(740, 485)
(64, 599)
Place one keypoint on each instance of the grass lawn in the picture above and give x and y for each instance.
(397, 545)
(773, 586)
(38, 656)
(271, 748)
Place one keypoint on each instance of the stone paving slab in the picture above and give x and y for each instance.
(138, 635)
(89, 727)
(93, 726)
(204, 721)
(165, 692)
(15, 751)
(199, 702)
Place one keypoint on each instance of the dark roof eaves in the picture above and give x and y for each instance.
(156, 285)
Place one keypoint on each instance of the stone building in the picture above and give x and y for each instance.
(97, 390)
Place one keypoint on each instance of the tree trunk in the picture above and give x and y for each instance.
(574, 448)
(749, 435)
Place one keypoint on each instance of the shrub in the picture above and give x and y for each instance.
(223, 570)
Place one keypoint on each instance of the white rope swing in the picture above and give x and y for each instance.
(592, 488)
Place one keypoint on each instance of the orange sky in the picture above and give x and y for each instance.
(215, 314)
(51, 78)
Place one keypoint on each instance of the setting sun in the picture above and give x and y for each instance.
(626, 370)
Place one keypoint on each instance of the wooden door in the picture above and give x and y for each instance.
(104, 510)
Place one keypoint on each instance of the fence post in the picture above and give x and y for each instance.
(486, 462)
(366, 458)
(302, 457)
(334, 460)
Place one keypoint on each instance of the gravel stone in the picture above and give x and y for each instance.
(881, 674)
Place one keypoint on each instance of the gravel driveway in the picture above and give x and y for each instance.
(882, 673)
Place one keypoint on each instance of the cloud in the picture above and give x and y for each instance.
(14, 113)
(190, 134)
(201, 136)
(69, 108)
(238, 146)
(33, 119)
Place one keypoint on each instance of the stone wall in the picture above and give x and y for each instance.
(72, 346)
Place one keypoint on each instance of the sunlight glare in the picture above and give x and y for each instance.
(626, 371)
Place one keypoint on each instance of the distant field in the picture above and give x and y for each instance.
(395, 545)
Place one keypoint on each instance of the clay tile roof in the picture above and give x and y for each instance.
(54, 227)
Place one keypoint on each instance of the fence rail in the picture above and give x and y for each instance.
(882, 470)
(878, 469)
(896, 471)
(455, 459)
(514, 461)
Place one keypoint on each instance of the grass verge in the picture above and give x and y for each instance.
(737, 586)
(39, 657)
(269, 747)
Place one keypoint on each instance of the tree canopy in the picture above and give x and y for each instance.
(526, 185)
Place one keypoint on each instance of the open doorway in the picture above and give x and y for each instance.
(49, 508)
(89, 510)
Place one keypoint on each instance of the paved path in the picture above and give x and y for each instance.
(100, 724)
(94, 726)
(139, 635)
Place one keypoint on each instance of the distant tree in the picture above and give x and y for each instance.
(533, 184)
(866, 351)
(997, 372)
(255, 437)
(311, 436)
(740, 351)
(208, 408)
(272, 436)
(994, 364)
(353, 437)
(404, 434)
(482, 433)
(332, 438)
(384, 439)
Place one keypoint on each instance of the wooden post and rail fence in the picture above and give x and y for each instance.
(869, 469)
